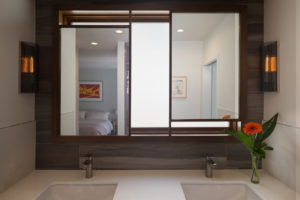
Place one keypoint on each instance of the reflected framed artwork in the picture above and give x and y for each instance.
(91, 91)
(179, 87)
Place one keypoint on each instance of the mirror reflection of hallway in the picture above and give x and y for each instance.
(94, 81)
(205, 50)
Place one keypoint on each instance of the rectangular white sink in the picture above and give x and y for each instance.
(219, 191)
(78, 192)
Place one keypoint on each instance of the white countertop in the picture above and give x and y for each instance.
(146, 184)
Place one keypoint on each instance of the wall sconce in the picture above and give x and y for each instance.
(270, 67)
(28, 68)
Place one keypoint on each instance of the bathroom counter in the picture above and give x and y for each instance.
(147, 184)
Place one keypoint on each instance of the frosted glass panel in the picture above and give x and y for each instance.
(150, 72)
(69, 86)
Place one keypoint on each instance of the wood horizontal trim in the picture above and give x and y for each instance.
(94, 26)
(174, 7)
(69, 19)
(150, 18)
(89, 139)
(149, 130)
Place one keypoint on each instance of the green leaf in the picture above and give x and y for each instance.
(260, 153)
(259, 139)
(268, 127)
(245, 139)
(263, 145)
(268, 148)
(258, 142)
(260, 145)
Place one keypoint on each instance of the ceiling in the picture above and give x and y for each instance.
(103, 55)
(196, 26)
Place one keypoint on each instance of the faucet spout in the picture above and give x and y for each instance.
(210, 164)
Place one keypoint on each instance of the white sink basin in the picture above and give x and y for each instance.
(220, 191)
(78, 192)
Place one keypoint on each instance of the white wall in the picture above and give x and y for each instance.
(17, 125)
(187, 61)
(221, 44)
(281, 24)
(298, 96)
(69, 82)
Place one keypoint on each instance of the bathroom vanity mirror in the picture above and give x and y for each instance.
(205, 66)
(94, 81)
(144, 73)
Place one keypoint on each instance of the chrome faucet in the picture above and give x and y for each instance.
(88, 166)
(210, 164)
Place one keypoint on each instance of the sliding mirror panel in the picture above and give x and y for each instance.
(205, 66)
(94, 66)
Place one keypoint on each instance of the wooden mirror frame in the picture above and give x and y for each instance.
(174, 7)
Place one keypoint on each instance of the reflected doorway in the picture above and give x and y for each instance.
(209, 73)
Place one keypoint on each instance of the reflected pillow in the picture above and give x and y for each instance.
(82, 115)
(97, 115)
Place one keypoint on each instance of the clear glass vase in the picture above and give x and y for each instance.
(255, 176)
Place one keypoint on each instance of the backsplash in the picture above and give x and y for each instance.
(165, 155)
(140, 155)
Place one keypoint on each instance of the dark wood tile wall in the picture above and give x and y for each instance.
(143, 155)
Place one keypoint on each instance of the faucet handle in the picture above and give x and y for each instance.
(210, 161)
(210, 157)
(213, 164)
(86, 155)
(89, 155)
(86, 162)
(88, 165)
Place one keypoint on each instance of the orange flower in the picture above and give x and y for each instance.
(226, 117)
(252, 128)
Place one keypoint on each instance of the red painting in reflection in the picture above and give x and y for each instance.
(91, 91)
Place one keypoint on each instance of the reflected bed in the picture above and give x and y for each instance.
(95, 127)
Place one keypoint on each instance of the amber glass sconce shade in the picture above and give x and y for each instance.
(28, 68)
(269, 67)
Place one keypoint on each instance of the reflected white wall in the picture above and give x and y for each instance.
(121, 88)
(222, 45)
(186, 61)
(150, 67)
